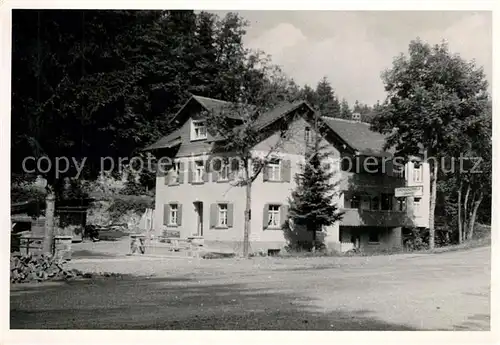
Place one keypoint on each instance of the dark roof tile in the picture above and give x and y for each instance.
(359, 136)
(167, 141)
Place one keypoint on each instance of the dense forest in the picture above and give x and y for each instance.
(106, 83)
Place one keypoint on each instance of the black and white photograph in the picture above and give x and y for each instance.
(249, 169)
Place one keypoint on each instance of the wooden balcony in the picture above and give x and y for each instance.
(382, 183)
(358, 217)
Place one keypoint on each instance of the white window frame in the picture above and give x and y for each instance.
(274, 170)
(417, 174)
(173, 214)
(274, 212)
(224, 172)
(174, 175)
(222, 215)
(199, 171)
(197, 127)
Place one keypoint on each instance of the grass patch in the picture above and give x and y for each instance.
(474, 243)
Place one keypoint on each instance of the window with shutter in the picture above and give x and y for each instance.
(222, 215)
(220, 170)
(199, 172)
(274, 170)
(174, 174)
(274, 216)
(224, 173)
(173, 215)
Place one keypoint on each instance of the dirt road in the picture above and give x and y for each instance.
(448, 291)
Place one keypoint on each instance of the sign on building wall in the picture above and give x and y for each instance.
(408, 191)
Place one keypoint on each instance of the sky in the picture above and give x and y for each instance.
(352, 48)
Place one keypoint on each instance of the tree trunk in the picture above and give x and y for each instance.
(460, 213)
(49, 223)
(466, 214)
(432, 205)
(314, 240)
(474, 214)
(469, 216)
(248, 205)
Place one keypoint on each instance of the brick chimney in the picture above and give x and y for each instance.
(356, 117)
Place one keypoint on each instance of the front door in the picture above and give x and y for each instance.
(199, 217)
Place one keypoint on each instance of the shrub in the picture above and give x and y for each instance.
(110, 209)
(124, 203)
(133, 188)
(416, 239)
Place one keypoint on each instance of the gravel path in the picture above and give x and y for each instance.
(448, 291)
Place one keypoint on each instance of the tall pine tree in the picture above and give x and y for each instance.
(327, 103)
(311, 205)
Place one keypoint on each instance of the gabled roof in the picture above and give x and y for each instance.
(209, 104)
(358, 136)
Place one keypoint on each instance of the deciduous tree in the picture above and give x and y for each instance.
(433, 98)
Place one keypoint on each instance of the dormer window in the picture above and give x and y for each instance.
(198, 130)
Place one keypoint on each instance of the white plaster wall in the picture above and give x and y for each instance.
(420, 216)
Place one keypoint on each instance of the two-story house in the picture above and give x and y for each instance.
(196, 195)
